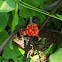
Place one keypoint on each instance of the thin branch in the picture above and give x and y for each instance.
(48, 17)
(48, 30)
(37, 51)
(51, 5)
(9, 38)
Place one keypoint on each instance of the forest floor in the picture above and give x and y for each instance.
(51, 37)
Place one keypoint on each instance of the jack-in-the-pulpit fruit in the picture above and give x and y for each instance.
(32, 30)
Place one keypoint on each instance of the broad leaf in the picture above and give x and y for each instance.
(3, 21)
(3, 36)
(25, 12)
(57, 56)
(5, 61)
(11, 54)
(7, 5)
(20, 59)
(21, 22)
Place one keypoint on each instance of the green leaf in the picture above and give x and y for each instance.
(43, 40)
(60, 16)
(61, 30)
(15, 18)
(3, 21)
(49, 50)
(3, 36)
(20, 59)
(5, 61)
(7, 5)
(0, 58)
(21, 22)
(28, 58)
(57, 56)
(10, 44)
(11, 54)
(60, 46)
(22, 51)
(24, 12)
(37, 10)
(42, 43)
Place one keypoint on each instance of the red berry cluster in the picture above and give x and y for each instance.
(32, 30)
(21, 32)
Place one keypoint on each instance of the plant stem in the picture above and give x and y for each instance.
(48, 17)
(31, 21)
(53, 31)
(26, 49)
(9, 38)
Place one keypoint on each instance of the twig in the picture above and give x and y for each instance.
(38, 52)
(9, 38)
(51, 5)
(53, 31)
(48, 17)
(26, 49)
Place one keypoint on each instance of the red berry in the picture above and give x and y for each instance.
(27, 27)
(29, 34)
(34, 25)
(21, 32)
(32, 30)
(27, 31)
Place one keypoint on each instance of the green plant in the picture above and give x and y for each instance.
(15, 15)
(57, 55)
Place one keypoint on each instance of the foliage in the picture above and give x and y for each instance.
(3, 34)
(49, 50)
(42, 43)
(7, 5)
(57, 55)
(3, 20)
(15, 13)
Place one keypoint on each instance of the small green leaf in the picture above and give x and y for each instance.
(42, 43)
(60, 16)
(43, 40)
(49, 50)
(35, 57)
(10, 44)
(22, 51)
